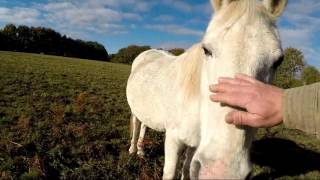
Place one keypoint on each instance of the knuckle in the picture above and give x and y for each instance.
(239, 118)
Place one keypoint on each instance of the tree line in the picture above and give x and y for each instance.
(43, 40)
(292, 72)
(47, 41)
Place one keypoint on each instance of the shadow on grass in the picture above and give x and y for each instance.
(284, 157)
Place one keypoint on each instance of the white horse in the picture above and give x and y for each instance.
(171, 94)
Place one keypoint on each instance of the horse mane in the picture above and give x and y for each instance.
(190, 71)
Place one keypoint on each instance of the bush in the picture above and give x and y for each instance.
(177, 51)
(128, 54)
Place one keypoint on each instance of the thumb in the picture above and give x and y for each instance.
(243, 118)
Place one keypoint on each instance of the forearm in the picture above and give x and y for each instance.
(302, 109)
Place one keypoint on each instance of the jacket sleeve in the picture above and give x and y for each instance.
(301, 108)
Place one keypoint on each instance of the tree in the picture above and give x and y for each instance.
(48, 41)
(3, 41)
(128, 54)
(10, 32)
(24, 37)
(291, 67)
(310, 75)
(177, 51)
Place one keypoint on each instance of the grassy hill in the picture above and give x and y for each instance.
(68, 118)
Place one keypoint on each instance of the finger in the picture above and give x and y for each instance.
(216, 88)
(227, 87)
(233, 81)
(246, 78)
(244, 118)
(232, 99)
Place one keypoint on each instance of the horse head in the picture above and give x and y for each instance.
(242, 37)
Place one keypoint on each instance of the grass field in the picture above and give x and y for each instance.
(64, 118)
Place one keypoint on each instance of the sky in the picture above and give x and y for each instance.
(159, 23)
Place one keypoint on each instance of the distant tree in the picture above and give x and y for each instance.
(98, 50)
(291, 67)
(3, 41)
(310, 75)
(10, 32)
(128, 54)
(111, 56)
(24, 38)
(48, 41)
(177, 51)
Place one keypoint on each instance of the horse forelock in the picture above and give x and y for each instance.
(251, 9)
(190, 71)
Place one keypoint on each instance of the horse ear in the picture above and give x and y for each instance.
(275, 7)
(218, 4)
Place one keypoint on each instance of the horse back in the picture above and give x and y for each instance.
(148, 87)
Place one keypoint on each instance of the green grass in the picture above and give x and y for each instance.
(70, 114)
(68, 118)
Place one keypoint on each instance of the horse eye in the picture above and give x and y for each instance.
(278, 62)
(207, 52)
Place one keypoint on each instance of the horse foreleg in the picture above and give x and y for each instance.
(140, 143)
(194, 168)
(134, 123)
(172, 148)
(186, 164)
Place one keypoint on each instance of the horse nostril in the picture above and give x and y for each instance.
(249, 176)
(278, 62)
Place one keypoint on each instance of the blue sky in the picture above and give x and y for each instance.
(158, 23)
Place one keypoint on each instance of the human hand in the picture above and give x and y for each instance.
(262, 102)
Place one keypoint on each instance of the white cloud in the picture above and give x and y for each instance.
(174, 29)
(97, 16)
(18, 15)
(85, 16)
(75, 18)
(57, 6)
(134, 5)
(81, 14)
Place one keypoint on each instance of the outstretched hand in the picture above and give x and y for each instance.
(262, 102)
